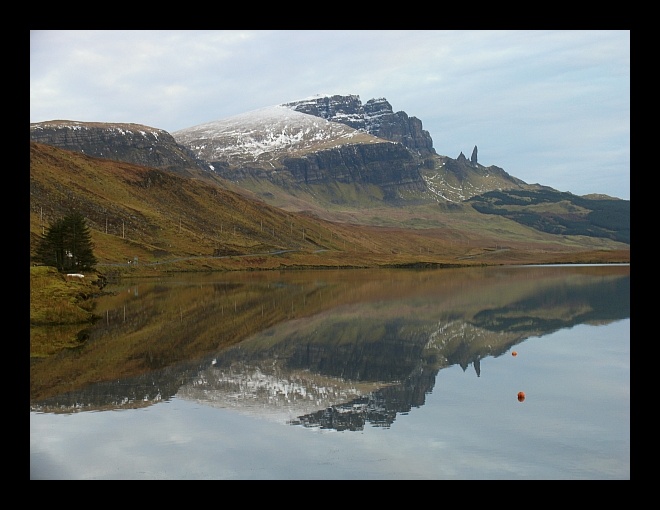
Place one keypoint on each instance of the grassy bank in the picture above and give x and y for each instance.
(59, 307)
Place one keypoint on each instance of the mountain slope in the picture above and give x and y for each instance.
(167, 221)
(561, 213)
(339, 160)
(261, 137)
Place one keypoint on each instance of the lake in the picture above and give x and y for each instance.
(344, 375)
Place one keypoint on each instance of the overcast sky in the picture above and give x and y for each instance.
(549, 107)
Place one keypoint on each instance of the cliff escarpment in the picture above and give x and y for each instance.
(130, 143)
(376, 117)
(382, 163)
(388, 167)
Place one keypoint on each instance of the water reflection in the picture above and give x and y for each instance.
(327, 349)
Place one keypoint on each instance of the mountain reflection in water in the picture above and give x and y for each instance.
(328, 349)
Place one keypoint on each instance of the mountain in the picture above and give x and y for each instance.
(324, 162)
(335, 160)
(559, 213)
(334, 156)
(133, 143)
(262, 137)
(331, 155)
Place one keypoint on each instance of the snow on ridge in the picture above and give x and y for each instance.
(262, 131)
(122, 128)
(253, 119)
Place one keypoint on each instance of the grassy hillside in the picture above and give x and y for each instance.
(560, 212)
(161, 221)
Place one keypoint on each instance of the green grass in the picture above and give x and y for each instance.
(59, 305)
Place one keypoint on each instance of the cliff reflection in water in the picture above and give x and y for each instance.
(329, 349)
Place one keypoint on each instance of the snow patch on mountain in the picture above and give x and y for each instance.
(120, 128)
(266, 133)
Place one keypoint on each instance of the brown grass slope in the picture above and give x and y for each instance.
(167, 222)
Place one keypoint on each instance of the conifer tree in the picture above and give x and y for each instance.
(67, 245)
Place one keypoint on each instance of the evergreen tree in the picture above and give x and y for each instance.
(67, 245)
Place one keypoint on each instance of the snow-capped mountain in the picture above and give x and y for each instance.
(315, 123)
(336, 158)
(330, 149)
(267, 134)
(319, 142)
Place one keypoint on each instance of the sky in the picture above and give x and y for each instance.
(548, 107)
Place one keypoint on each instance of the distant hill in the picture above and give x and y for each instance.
(560, 213)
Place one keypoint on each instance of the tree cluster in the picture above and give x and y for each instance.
(67, 245)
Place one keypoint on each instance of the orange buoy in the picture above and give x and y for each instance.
(521, 396)
(514, 353)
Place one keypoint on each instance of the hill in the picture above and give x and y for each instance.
(162, 221)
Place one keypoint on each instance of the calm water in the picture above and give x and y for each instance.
(357, 374)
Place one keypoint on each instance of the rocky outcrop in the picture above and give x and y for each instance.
(473, 158)
(375, 117)
(389, 166)
(131, 143)
(344, 109)
(384, 163)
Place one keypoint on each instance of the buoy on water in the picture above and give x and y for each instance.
(514, 353)
(521, 396)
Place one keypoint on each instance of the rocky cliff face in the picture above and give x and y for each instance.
(131, 143)
(375, 117)
(387, 165)
(383, 163)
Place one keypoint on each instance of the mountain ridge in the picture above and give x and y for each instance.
(265, 134)
(256, 139)
(133, 143)
(321, 167)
